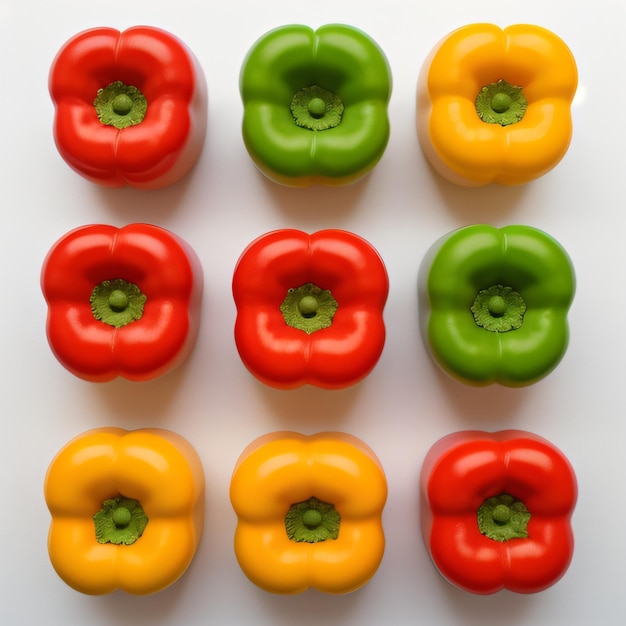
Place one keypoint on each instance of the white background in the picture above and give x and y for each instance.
(404, 406)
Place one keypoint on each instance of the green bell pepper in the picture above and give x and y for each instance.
(494, 304)
(315, 104)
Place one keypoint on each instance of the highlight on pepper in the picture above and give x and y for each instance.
(496, 511)
(310, 308)
(494, 105)
(309, 512)
(127, 510)
(130, 107)
(494, 304)
(315, 104)
(121, 301)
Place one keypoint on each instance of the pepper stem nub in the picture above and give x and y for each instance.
(503, 517)
(120, 105)
(316, 108)
(501, 103)
(308, 308)
(120, 521)
(498, 309)
(312, 521)
(117, 302)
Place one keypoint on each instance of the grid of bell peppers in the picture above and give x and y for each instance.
(127, 507)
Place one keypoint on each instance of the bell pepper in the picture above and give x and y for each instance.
(496, 511)
(494, 304)
(494, 105)
(309, 308)
(309, 512)
(121, 301)
(315, 104)
(130, 107)
(127, 510)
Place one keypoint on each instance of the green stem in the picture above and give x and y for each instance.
(117, 302)
(120, 521)
(312, 521)
(120, 105)
(308, 308)
(503, 517)
(498, 309)
(315, 108)
(501, 103)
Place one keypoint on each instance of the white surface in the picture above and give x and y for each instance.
(404, 405)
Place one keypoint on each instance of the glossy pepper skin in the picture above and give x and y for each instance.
(157, 467)
(285, 357)
(474, 258)
(464, 469)
(338, 58)
(161, 264)
(283, 468)
(151, 154)
(457, 143)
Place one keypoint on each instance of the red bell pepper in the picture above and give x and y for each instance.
(121, 301)
(496, 511)
(310, 308)
(131, 107)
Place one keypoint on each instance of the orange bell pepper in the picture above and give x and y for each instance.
(494, 105)
(127, 510)
(309, 512)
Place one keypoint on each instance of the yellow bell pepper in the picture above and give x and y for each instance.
(494, 105)
(309, 512)
(127, 510)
